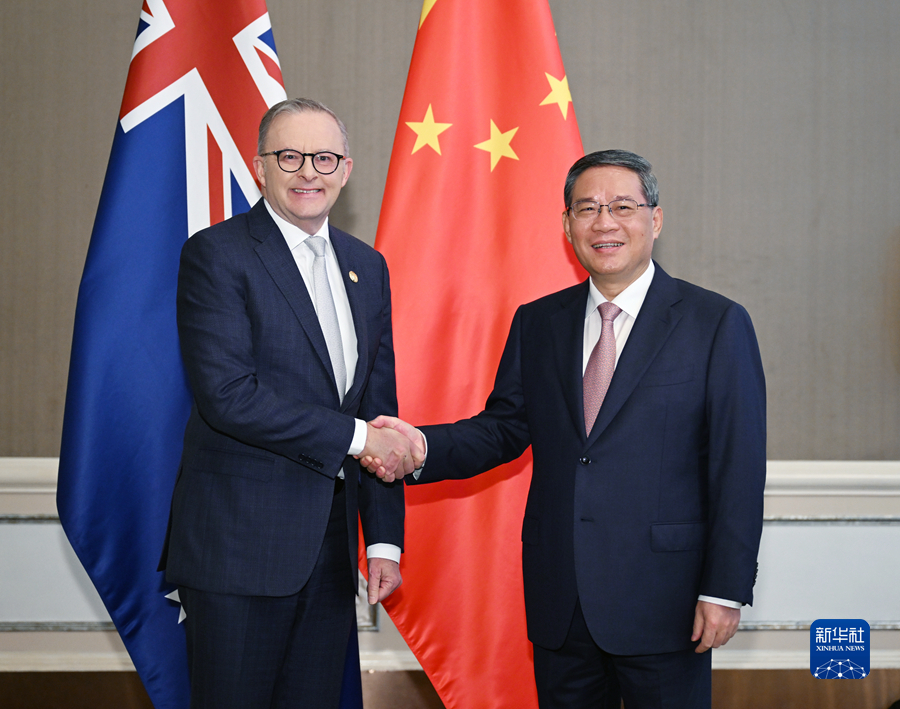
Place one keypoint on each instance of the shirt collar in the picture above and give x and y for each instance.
(294, 235)
(629, 300)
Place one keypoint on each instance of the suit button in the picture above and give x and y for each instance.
(584, 461)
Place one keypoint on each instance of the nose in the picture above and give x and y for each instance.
(307, 171)
(604, 220)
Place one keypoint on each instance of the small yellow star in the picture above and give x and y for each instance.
(427, 132)
(559, 94)
(499, 145)
(426, 8)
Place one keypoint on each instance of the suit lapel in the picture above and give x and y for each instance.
(275, 255)
(652, 328)
(567, 328)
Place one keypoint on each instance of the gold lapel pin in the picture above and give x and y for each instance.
(353, 276)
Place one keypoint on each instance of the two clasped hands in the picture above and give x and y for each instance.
(393, 448)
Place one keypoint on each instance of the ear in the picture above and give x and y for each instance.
(259, 165)
(348, 166)
(566, 225)
(657, 221)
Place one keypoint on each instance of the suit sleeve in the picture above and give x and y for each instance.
(496, 436)
(381, 504)
(267, 407)
(736, 412)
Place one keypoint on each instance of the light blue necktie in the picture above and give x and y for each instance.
(328, 319)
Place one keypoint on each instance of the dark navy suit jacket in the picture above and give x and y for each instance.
(268, 433)
(663, 501)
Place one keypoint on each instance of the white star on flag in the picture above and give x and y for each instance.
(174, 597)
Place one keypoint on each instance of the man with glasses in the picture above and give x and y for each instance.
(285, 328)
(643, 400)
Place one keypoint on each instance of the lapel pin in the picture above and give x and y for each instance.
(353, 276)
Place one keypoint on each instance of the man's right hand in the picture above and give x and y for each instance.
(381, 466)
(393, 452)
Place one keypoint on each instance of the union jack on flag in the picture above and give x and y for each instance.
(202, 74)
(220, 61)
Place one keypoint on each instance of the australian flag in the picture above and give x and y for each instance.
(202, 74)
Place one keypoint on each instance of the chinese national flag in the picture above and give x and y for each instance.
(471, 229)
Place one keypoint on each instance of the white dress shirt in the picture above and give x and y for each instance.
(304, 258)
(630, 301)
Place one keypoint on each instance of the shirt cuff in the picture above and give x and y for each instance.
(383, 551)
(721, 602)
(418, 471)
(359, 438)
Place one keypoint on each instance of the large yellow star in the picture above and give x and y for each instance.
(498, 145)
(559, 93)
(427, 132)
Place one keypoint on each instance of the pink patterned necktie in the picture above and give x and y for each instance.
(600, 367)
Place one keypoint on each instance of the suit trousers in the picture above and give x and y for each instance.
(580, 675)
(262, 652)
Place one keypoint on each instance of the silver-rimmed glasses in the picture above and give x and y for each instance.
(620, 209)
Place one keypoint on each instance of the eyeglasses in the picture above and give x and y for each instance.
(620, 209)
(290, 160)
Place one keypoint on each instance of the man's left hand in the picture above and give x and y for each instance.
(714, 625)
(384, 579)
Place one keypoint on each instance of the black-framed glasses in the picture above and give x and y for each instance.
(289, 160)
(620, 209)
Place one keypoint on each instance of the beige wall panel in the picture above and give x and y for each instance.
(774, 129)
(62, 71)
(354, 57)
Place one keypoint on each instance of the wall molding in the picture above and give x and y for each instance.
(57, 627)
(876, 480)
(404, 660)
(37, 661)
(28, 476)
(388, 661)
(804, 625)
(725, 659)
(784, 477)
(833, 478)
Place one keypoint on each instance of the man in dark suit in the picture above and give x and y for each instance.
(643, 399)
(285, 328)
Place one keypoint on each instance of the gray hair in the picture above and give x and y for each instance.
(297, 105)
(621, 158)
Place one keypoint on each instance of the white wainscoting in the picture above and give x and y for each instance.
(830, 549)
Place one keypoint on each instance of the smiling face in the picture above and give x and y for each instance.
(303, 198)
(615, 253)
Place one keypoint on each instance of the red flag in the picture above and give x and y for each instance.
(471, 229)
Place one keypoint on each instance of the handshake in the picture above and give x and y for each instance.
(393, 448)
